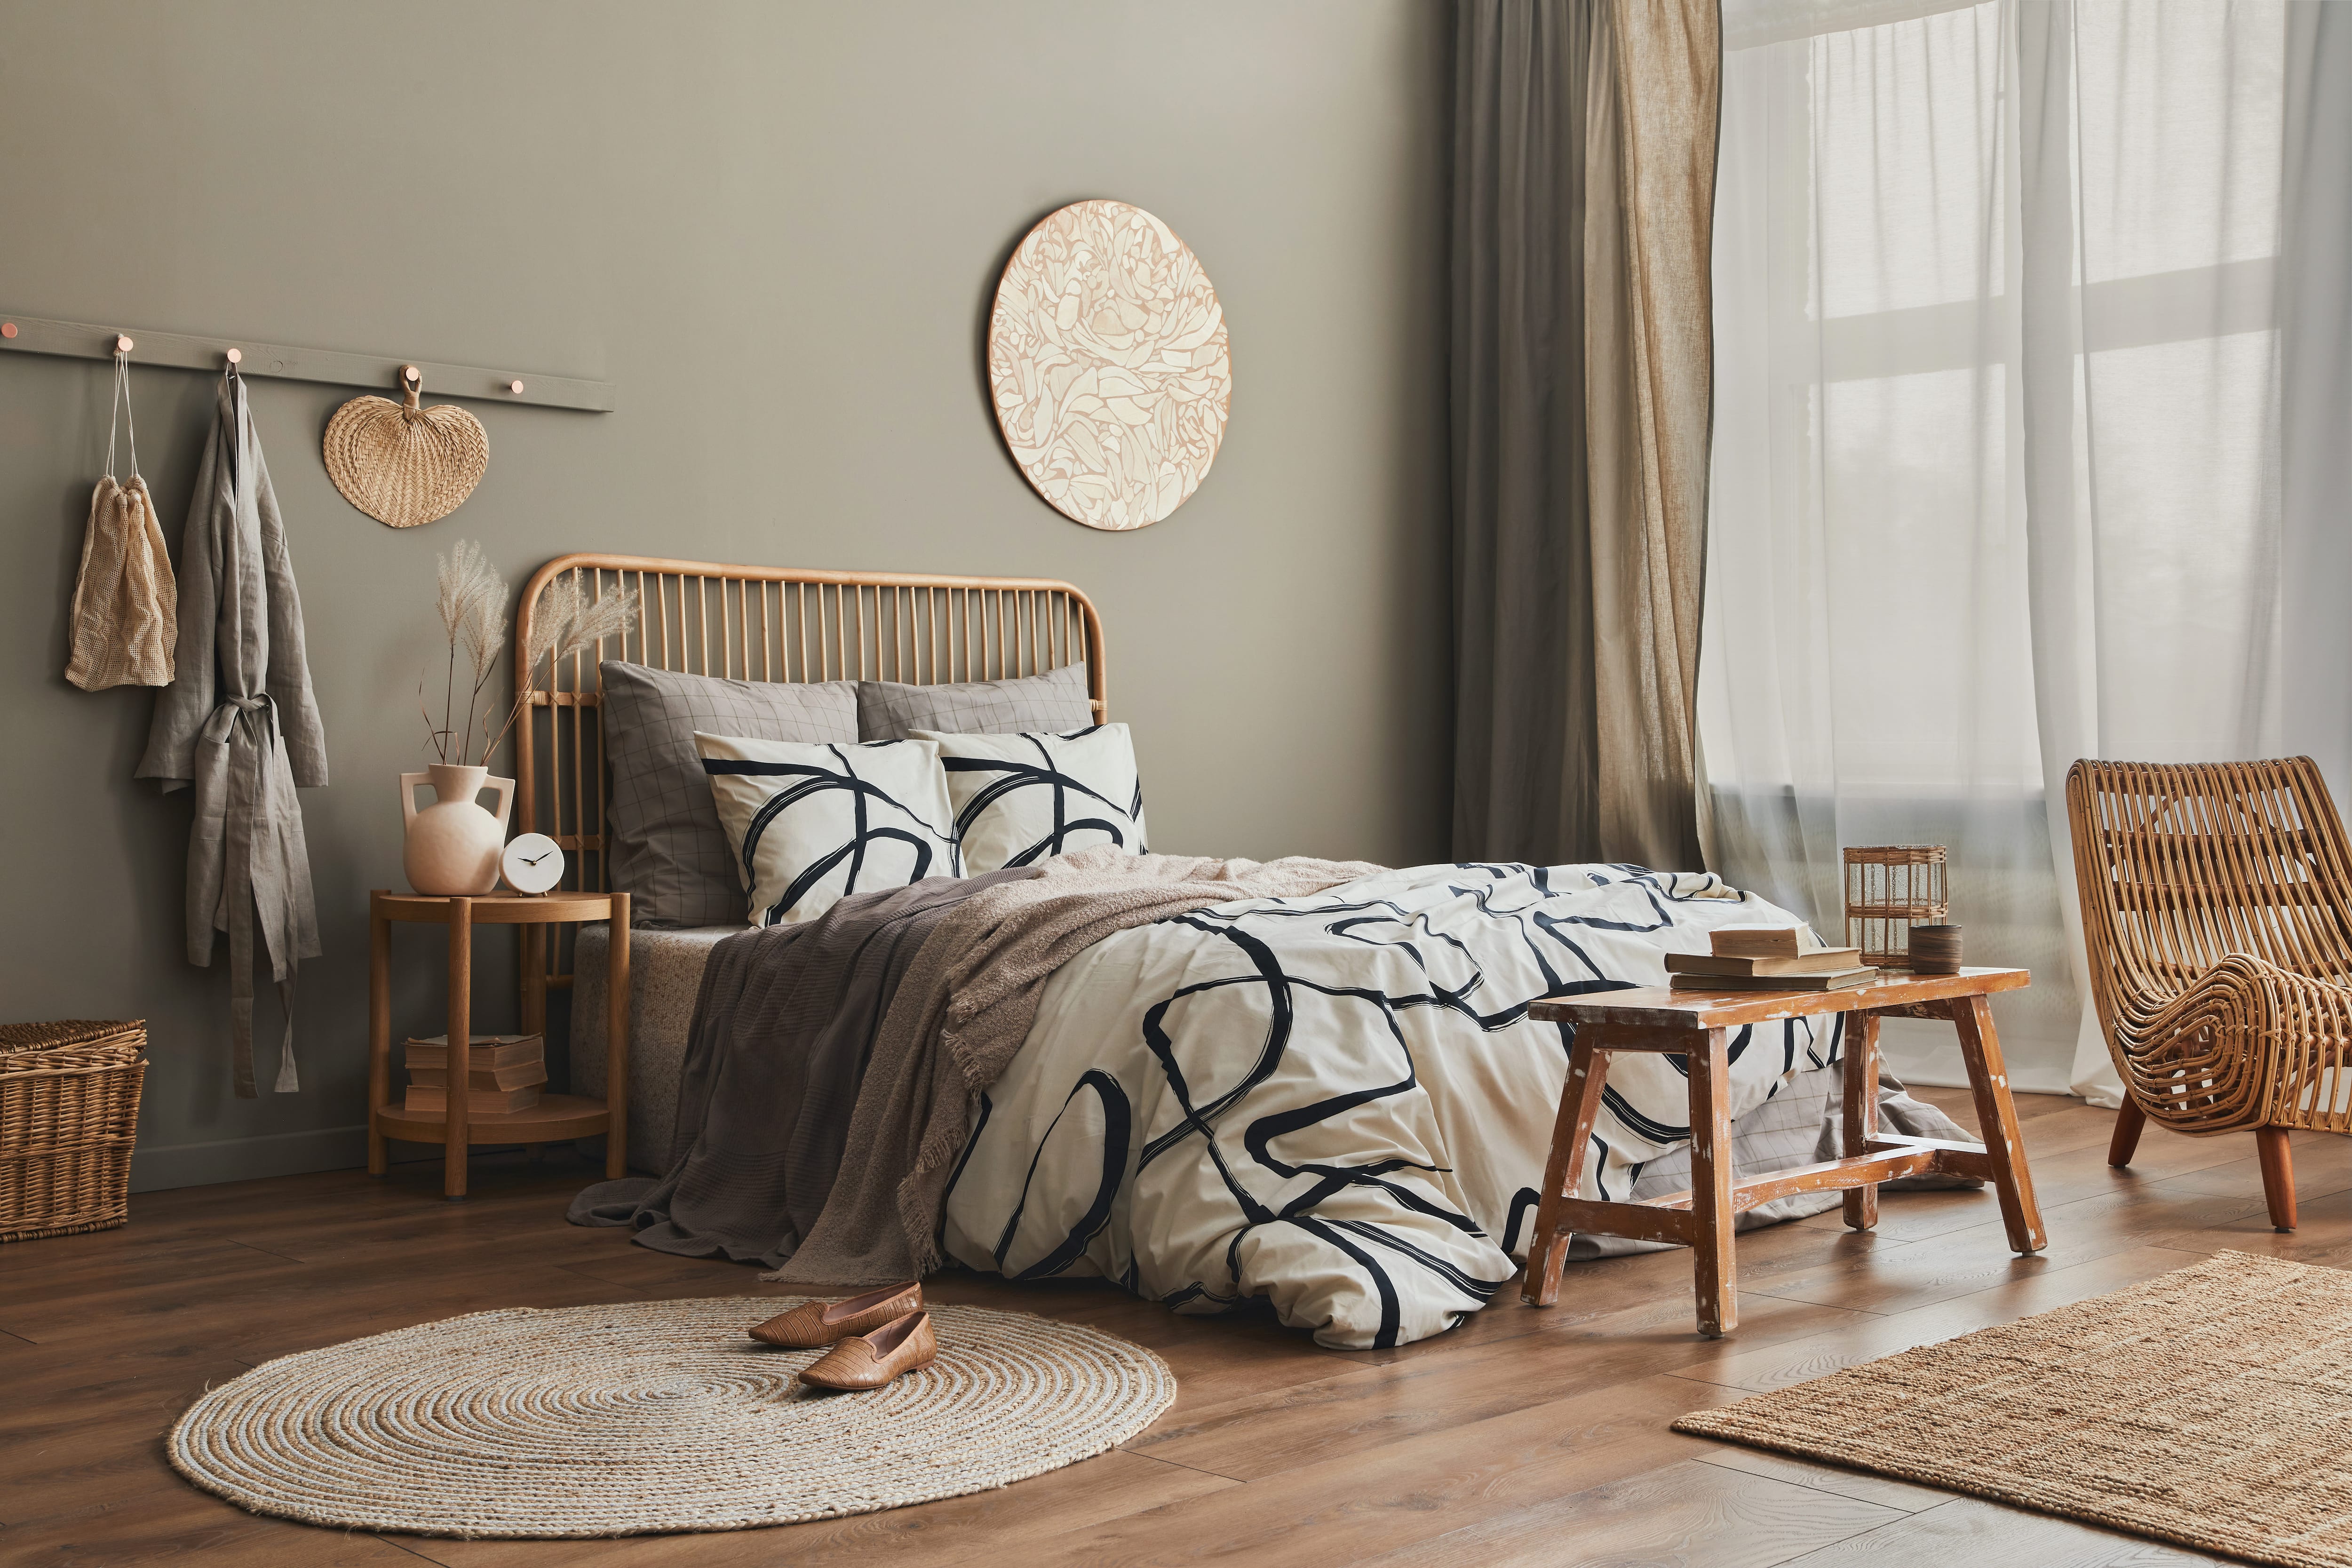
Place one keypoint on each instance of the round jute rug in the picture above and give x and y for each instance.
(651, 1416)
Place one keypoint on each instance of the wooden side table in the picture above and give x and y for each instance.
(557, 1117)
(1697, 1026)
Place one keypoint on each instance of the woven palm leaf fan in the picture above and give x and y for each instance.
(403, 465)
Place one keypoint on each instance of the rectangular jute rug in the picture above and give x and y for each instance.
(2211, 1407)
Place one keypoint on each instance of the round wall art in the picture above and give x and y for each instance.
(1108, 358)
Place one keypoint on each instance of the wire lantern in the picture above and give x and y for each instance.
(1889, 889)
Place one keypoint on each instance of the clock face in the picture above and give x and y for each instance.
(533, 863)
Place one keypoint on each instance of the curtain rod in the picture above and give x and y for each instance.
(78, 340)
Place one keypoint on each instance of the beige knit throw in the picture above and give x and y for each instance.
(962, 1010)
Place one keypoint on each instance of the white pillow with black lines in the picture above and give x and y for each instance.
(1020, 799)
(811, 823)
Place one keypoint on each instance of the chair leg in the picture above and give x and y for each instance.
(2129, 1121)
(2278, 1176)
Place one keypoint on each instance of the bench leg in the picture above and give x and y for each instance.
(1571, 1135)
(1714, 1269)
(1860, 1075)
(1996, 1123)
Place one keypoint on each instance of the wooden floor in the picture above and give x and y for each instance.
(1524, 1436)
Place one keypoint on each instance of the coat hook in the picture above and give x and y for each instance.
(410, 372)
(123, 345)
(8, 329)
(515, 387)
(236, 356)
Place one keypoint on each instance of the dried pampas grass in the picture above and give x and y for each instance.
(472, 602)
(566, 623)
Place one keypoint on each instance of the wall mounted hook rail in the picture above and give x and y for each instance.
(78, 340)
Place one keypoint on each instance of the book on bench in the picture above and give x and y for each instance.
(1756, 941)
(1827, 980)
(1821, 961)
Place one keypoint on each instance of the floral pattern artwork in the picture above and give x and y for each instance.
(1108, 361)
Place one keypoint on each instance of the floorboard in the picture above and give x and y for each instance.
(1524, 1436)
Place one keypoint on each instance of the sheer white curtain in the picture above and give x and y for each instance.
(1996, 475)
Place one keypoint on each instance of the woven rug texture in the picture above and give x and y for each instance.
(2211, 1407)
(645, 1416)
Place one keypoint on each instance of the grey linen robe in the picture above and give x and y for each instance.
(239, 724)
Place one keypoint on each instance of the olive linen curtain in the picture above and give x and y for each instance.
(1584, 189)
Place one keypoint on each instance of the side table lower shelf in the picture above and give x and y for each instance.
(556, 1119)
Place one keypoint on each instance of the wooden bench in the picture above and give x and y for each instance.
(1698, 1026)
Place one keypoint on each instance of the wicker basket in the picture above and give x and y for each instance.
(68, 1115)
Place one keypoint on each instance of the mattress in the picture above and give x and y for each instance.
(664, 973)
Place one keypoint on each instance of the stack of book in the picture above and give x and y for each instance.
(504, 1074)
(1767, 958)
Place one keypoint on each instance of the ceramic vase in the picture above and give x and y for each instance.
(453, 845)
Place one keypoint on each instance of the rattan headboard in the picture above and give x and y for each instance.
(766, 623)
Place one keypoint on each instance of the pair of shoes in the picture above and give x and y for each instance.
(874, 1337)
(814, 1323)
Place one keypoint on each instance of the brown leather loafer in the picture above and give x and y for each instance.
(874, 1359)
(814, 1323)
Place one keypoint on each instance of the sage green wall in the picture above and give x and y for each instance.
(776, 227)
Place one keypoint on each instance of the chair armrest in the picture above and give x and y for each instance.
(2242, 1045)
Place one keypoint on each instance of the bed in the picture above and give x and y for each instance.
(1334, 1103)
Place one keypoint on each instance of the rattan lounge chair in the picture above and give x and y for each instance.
(2217, 907)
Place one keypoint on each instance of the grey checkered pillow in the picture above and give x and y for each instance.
(1048, 704)
(669, 852)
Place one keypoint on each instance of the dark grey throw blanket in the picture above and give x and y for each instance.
(782, 1028)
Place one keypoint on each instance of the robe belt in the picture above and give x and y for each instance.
(247, 726)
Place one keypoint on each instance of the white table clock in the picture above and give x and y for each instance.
(533, 863)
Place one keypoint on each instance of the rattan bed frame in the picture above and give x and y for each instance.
(760, 623)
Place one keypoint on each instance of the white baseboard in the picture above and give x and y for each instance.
(154, 1169)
